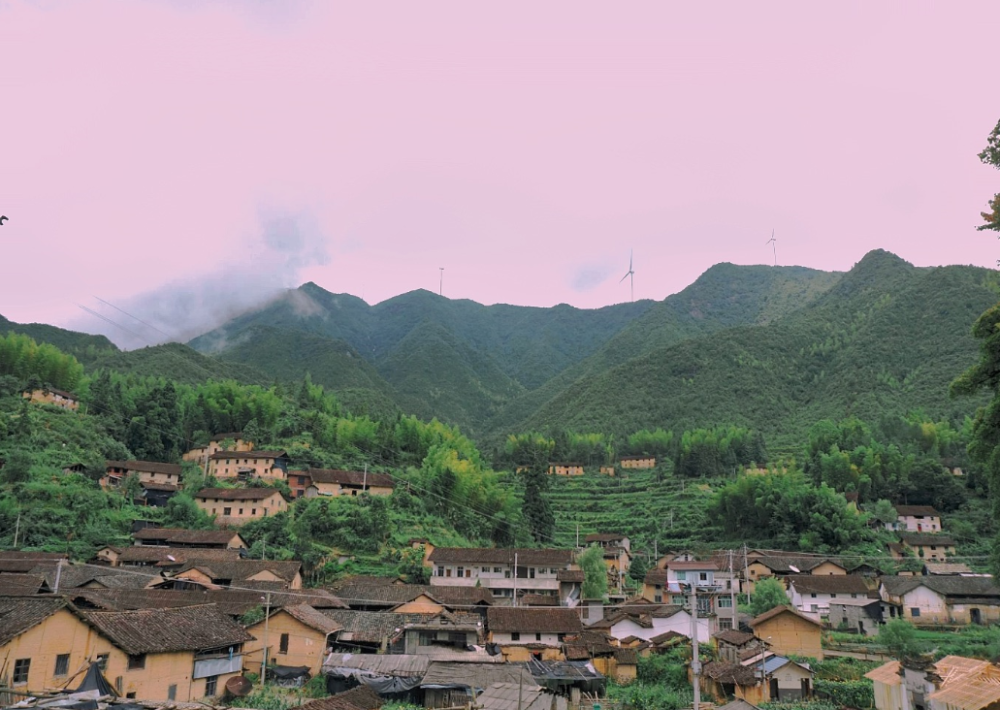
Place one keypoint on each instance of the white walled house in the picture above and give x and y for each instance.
(917, 518)
(812, 595)
(509, 573)
(646, 621)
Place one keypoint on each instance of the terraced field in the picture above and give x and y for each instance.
(645, 505)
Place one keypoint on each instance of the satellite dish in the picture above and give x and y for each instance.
(171, 558)
(794, 569)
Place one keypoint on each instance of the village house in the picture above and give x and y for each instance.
(184, 654)
(812, 594)
(732, 643)
(509, 573)
(523, 634)
(450, 684)
(607, 470)
(235, 506)
(193, 539)
(265, 574)
(565, 469)
(323, 482)
(297, 635)
(772, 678)
(952, 683)
(163, 654)
(415, 598)
(156, 495)
(930, 601)
(371, 632)
(916, 518)
(57, 398)
(145, 471)
(248, 465)
(517, 696)
(861, 616)
(200, 454)
(928, 546)
(946, 569)
(170, 558)
(646, 621)
(789, 632)
(443, 634)
(761, 564)
(617, 556)
(637, 462)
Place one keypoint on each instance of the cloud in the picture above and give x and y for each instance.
(590, 276)
(264, 267)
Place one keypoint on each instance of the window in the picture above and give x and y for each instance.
(854, 596)
(21, 667)
(915, 611)
(227, 511)
(137, 662)
(426, 638)
(460, 572)
(486, 570)
(253, 511)
(658, 598)
(682, 576)
(725, 602)
(515, 636)
(172, 692)
(62, 664)
(497, 570)
(283, 644)
(241, 511)
(440, 571)
(813, 608)
(703, 576)
(813, 595)
(468, 572)
(211, 685)
(538, 637)
(102, 661)
(833, 596)
(447, 572)
(725, 624)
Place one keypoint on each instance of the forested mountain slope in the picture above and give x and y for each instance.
(82, 346)
(886, 339)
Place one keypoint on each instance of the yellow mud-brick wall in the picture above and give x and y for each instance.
(306, 645)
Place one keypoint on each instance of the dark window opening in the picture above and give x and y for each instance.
(62, 664)
(137, 662)
(283, 644)
(21, 668)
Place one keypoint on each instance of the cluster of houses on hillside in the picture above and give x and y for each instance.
(578, 469)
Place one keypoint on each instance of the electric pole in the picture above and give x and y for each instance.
(695, 660)
(267, 618)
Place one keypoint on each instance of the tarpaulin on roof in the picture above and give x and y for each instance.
(385, 674)
(95, 680)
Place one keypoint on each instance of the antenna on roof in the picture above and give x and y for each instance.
(630, 275)
(773, 242)
(441, 284)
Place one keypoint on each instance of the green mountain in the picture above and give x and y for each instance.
(181, 364)
(84, 347)
(457, 360)
(885, 339)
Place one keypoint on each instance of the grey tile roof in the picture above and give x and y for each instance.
(191, 628)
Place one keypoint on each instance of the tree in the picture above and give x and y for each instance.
(991, 156)
(537, 511)
(17, 469)
(595, 573)
(637, 570)
(900, 638)
(412, 567)
(768, 593)
(984, 445)
(884, 512)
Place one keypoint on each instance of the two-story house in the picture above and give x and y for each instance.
(617, 556)
(248, 465)
(812, 594)
(932, 601)
(637, 462)
(146, 471)
(193, 539)
(566, 469)
(917, 518)
(235, 506)
(236, 442)
(928, 546)
(524, 633)
(508, 573)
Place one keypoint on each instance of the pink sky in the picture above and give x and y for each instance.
(182, 159)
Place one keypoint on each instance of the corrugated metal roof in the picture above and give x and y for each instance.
(476, 675)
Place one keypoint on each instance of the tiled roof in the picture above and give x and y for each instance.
(351, 478)
(656, 576)
(791, 564)
(236, 493)
(180, 555)
(947, 568)
(22, 585)
(388, 664)
(477, 675)
(164, 487)
(727, 672)
(182, 536)
(916, 510)
(734, 637)
(887, 673)
(828, 584)
(494, 555)
(768, 615)
(539, 600)
(239, 570)
(191, 628)
(312, 618)
(570, 575)
(371, 626)
(681, 565)
(361, 697)
(545, 621)
(518, 696)
(230, 602)
(146, 466)
(669, 637)
(18, 614)
(948, 586)
(247, 455)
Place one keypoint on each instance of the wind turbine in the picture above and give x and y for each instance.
(630, 275)
(774, 246)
